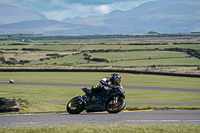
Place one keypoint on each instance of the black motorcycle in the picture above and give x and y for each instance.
(112, 101)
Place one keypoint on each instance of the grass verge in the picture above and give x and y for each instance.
(94, 78)
(107, 129)
(161, 107)
(40, 107)
(61, 93)
(37, 107)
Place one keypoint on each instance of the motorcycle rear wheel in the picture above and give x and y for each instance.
(115, 108)
(75, 106)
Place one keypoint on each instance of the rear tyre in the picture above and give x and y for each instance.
(115, 107)
(75, 106)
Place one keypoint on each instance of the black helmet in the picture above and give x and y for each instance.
(116, 78)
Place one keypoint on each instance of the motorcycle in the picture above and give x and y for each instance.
(111, 100)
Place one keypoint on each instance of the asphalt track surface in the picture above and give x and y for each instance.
(166, 117)
(158, 117)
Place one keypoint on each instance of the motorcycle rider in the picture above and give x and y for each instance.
(11, 81)
(105, 84)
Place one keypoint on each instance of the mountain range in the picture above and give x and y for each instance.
(12, 14)
(163, 16)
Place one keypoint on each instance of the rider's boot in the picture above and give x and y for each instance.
(88, 93)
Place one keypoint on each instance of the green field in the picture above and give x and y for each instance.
(42, 47)
(107, 129)
(76, 59)
(32, 56)
(97, 47)
(52, 93)
(145, 47)
(58, 93)
(57, 47)
(138, 55)
(126, 51)
(147, 62)
(19, 47)
(94, 78)
(145, 58)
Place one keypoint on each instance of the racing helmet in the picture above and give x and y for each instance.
(116, 78)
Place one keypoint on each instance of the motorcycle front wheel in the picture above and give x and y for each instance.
(115, 107)
(75, 106)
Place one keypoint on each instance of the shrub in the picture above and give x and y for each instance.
(12, 58)
(41, 59)
(52, 54)
(99, 60)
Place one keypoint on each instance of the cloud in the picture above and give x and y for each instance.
(69, 11)
(103, 9)
(64, 10)
(77, 10)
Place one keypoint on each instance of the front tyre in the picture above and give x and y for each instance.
(75, 106)
(113, 106)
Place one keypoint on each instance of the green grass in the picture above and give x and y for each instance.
(106, 129)
(138, 55)
(160, 96)
(95, 77)
(14, 46)
(128, 47)
(57, 47)
(149, 62)
(65, 60)
(59, 93)
(39, 107)
(42, 47)
(93, 47)
(40, 93)
(37, 55)
(132, 107)
(48, 93)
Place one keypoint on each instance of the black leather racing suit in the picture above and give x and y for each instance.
(105, 83)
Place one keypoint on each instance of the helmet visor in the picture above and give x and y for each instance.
(117, 80)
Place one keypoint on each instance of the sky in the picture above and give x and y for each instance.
(61, 9)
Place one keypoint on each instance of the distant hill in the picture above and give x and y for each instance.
(46, 27)
(12, 14)
(163, 16)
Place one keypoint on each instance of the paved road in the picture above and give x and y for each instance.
(125, 86)
(183, 117)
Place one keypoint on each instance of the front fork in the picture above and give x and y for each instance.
(115, 100)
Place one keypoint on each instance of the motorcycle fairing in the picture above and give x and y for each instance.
(101, 105)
